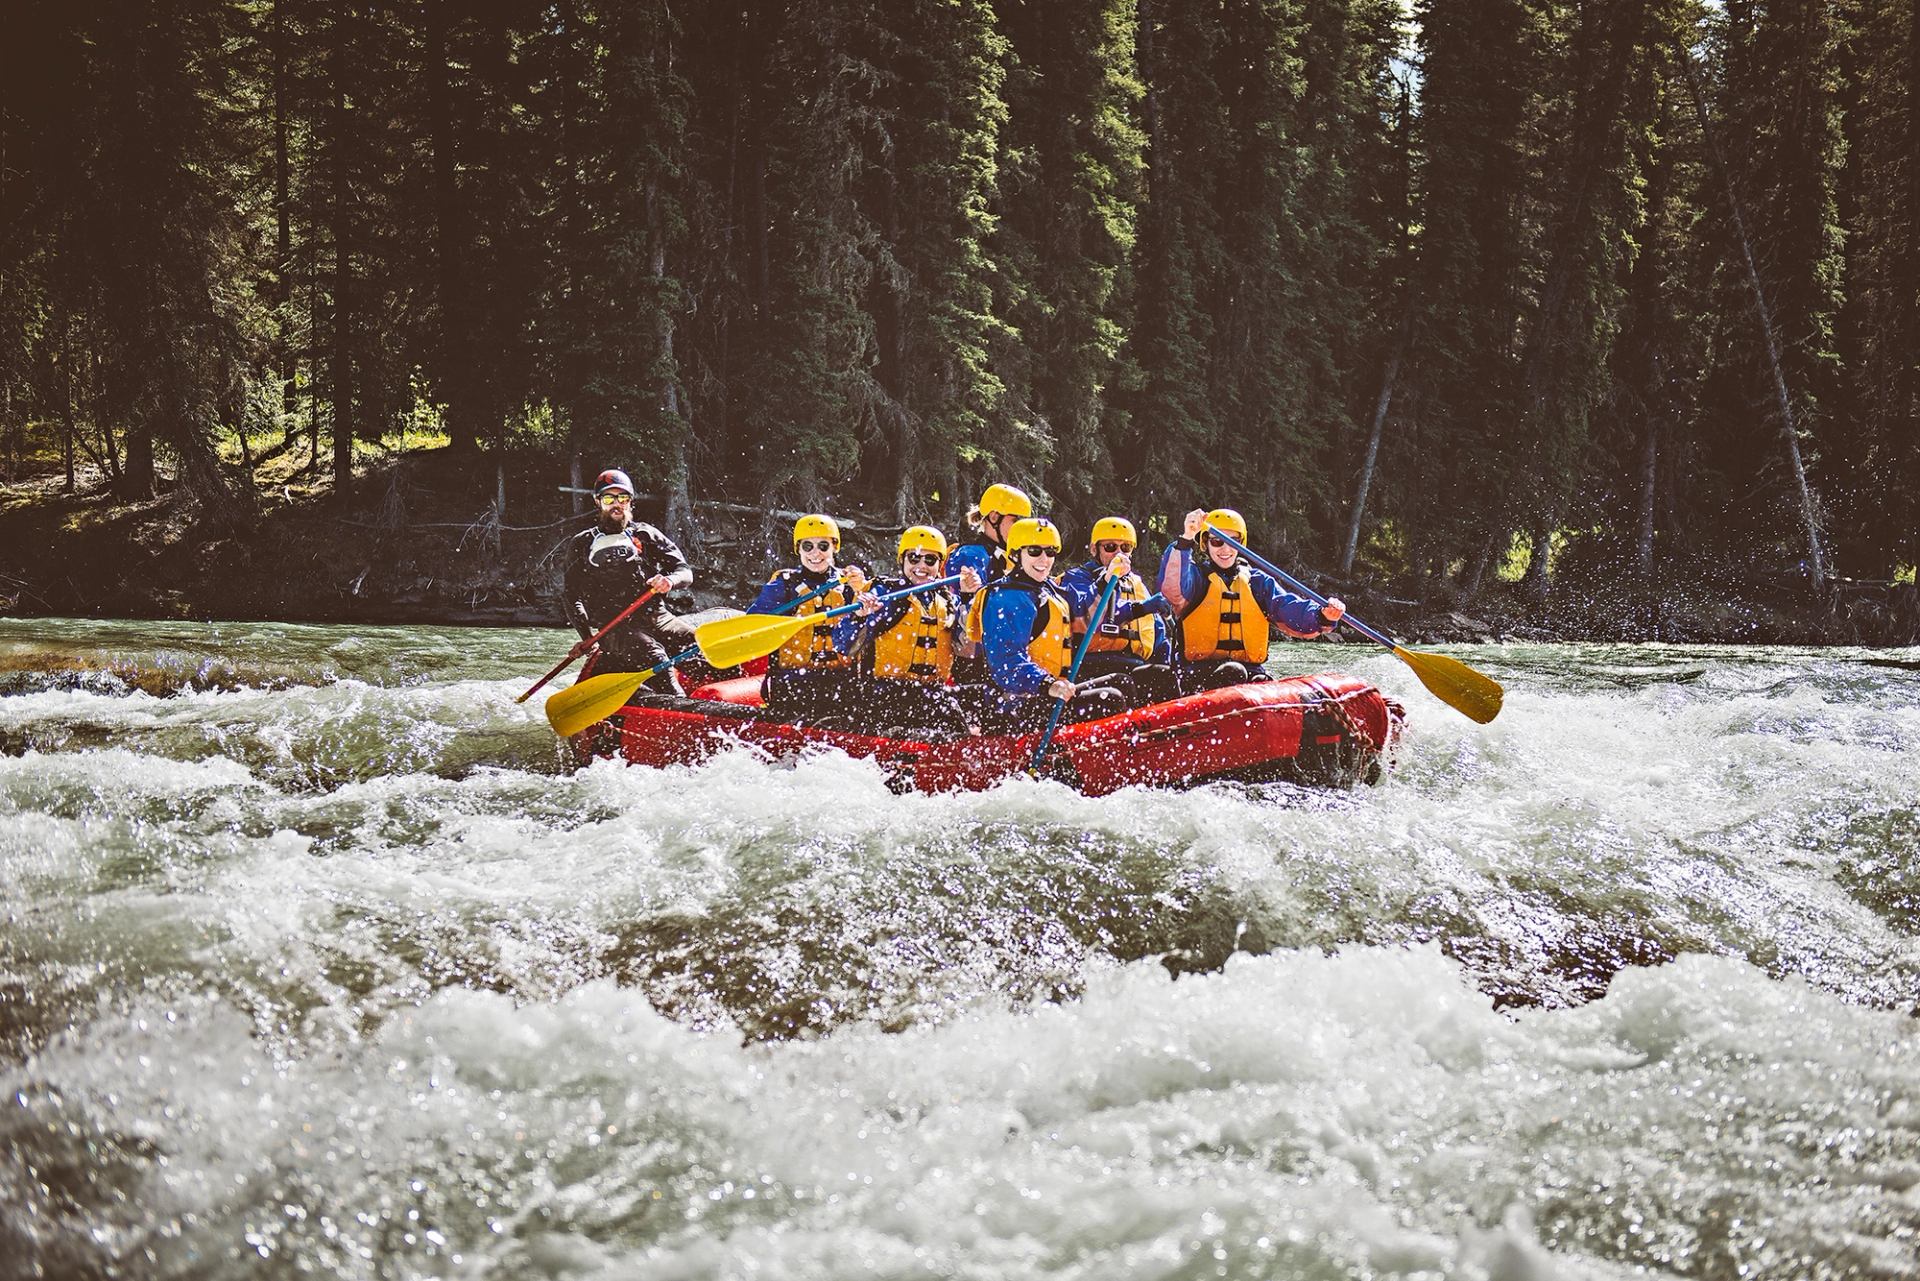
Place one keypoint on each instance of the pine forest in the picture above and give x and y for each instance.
(1451, 293)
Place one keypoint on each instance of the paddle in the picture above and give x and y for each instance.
(588, 644)
(1086, 642)
(1472, 693)
(728, 642)
(592, 700)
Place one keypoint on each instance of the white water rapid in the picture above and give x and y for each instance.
(316, 959)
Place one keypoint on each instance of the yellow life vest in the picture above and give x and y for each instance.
(1052, 644)
(1226, 622)
(919, 647)
(1137, 637)
(811, 646)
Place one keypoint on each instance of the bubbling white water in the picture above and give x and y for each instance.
(357, 978)
(1365, 1113)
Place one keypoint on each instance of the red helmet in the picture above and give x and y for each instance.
(611, 479)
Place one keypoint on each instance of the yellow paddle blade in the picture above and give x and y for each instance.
(729, 642)
(592, 700)
(1475, 695)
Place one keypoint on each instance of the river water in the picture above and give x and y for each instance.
(317, 959)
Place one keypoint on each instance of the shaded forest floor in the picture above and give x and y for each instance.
(419, 541)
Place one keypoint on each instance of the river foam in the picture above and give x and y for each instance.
(357, 977)
(1365, 1113)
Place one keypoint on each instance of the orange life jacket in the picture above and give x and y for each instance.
(1226, 622)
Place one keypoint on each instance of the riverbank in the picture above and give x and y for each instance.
(412, 546)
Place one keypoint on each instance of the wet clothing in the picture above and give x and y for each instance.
(989, 560)
(976, 552)
(1026, 635)
(1131, 627)
(911, 639)
(807, 678)
(903, 656)
(1227, 617)
(811, 646)
(1024, 631)
(604, 573)
(1226, 614)
(907, 709)
(809, 694)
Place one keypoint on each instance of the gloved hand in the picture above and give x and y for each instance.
(1157, 604)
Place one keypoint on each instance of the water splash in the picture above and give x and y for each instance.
(1624, 980)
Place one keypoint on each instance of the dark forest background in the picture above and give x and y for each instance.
(1423, 289)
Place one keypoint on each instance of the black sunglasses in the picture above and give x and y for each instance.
(815, 544)
(1111, 547)
(1038, 551)
(922, 558)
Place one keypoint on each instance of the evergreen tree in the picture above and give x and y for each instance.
(938, 400)
(1171, 455)
(1444, 460)
(1772, 364)
(813, 396)
(1874, 441)
(1068, 195)
(615, 373)
(155, 153)
(1595, 215)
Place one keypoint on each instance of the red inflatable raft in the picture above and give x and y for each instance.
(1327, 730)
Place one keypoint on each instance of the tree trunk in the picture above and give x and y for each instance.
(1380, 406)
(1907, 382)
(570, 222)
(343, 314)
(313, 392)
(66, 408)
(137, 474)
(449, 241)
(499, 504)
(1809, 514)
(283, 225)
(1649, 475)
(679, 514)
(1538, 581)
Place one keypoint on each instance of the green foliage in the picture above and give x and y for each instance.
(1134, 255)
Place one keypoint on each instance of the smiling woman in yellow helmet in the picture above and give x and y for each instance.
(807, 676)
(1131, 643)
(1228, 610)
(904, 649)
(984, 552)
(1023, 624)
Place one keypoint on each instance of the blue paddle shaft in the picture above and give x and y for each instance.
(948, 581)
(1073, 672)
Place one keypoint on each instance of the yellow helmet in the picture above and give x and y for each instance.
(1005, 500)
(1229, 521)
(1113, 528)
(922, 538)
(816, 526)
(1032, 532)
